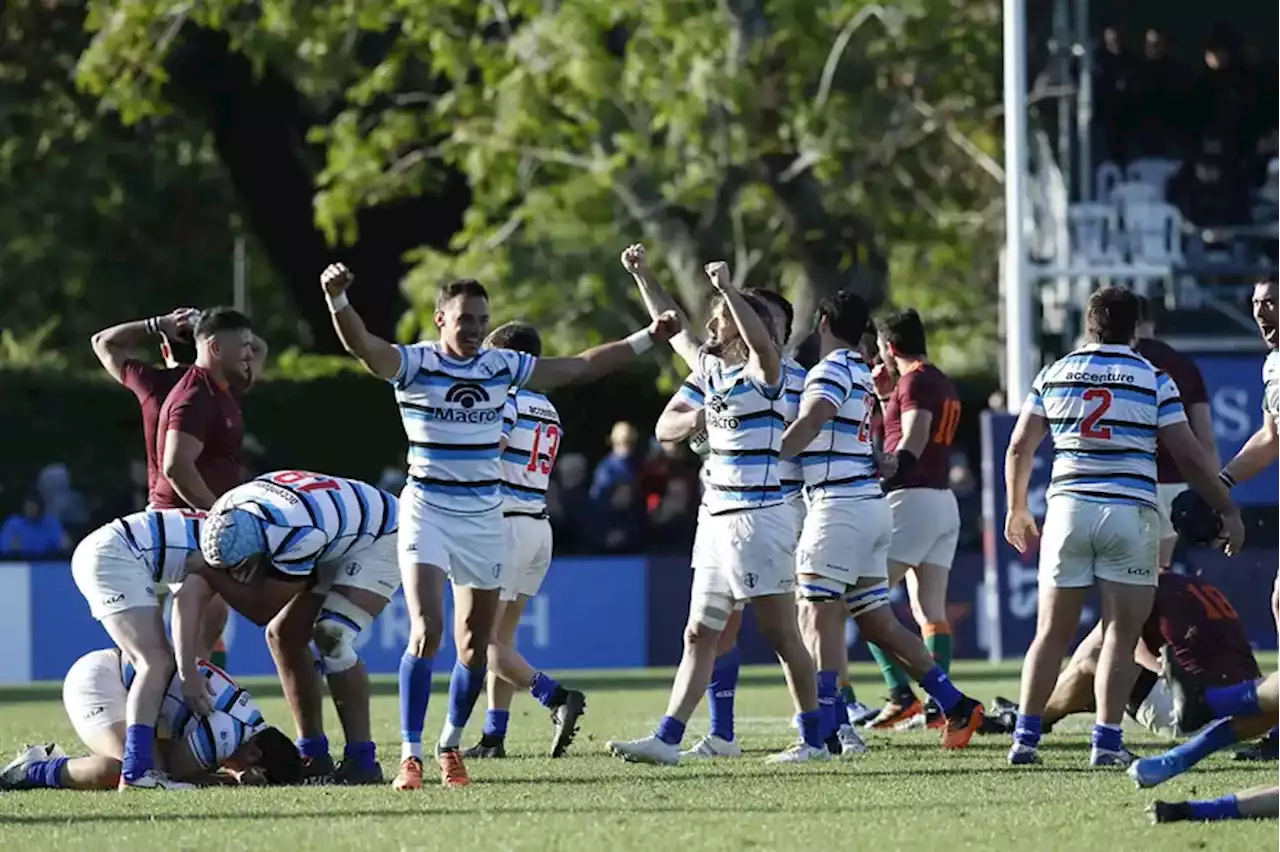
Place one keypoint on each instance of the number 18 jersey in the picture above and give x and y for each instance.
(531, 425)
(1104, 404)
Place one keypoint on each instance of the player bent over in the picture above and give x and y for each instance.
(451, 394)
(338, 536)
(531, 440)
(118, 568)
(233, 740)
(1105, 405)
(841, 561)
(749, 529)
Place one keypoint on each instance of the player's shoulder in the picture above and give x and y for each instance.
(1271, 366)
(535, 403)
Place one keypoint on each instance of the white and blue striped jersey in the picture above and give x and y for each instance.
(452, 414)
(745, 422)
(1271, 384)
(1105, 404)
(162, 539)
(312, 517)
(531, 425)
(793, 386)
(839, 461)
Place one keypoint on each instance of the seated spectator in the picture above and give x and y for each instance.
(33, 532)
(617, 525)
(620, 465)
(569, 515)
(1210, 190)
(60, 499)
(662, 462)
(674, 520)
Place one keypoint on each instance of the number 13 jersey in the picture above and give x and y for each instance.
(531, 426)
(1104, 404)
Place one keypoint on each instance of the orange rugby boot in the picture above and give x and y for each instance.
(410, 775)
(962, 722)
(894, 714)
(453, 773)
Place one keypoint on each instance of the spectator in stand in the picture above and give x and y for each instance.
(1161, 87)
(673, 522)
(60, 499)
(1113, 93)
(620, 465)
(1210, 190)
(1223, 98)
(661, 464)
(570, 516)
(33, 532)
(619, 522)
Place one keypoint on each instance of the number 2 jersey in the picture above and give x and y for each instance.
(312, 517)
(531, 425)
(924, 388)
(1105, 404)
(162, 539)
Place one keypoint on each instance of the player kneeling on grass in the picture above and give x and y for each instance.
(335, 538)
(233, 741)
(118, 568)
(842, 557)
(531, 438)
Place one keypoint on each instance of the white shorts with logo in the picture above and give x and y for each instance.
(746, 554)
(1083, 540)
(846, 539)
(93, 693)
(1165, 494)
(528, 555)
(706, 580)
(110, 575)
(469, 548)
(374, 567)
(926, 526)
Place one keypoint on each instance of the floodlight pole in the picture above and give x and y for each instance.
(1019, 336)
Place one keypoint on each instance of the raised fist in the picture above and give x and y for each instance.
(336, 278)
(633, 259)
(665, 327)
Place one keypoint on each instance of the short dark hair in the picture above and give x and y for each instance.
(216, 320)
(780, 302)
(461, 287)
(281, 762)
(1113, 316)
(904, 331)
(181, 349)
(871, 343)
(516, 336)
(1265, 281)
(847, 315)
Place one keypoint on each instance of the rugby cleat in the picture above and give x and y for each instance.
(352, 774)
(1154, 771)
(319, 768)
(712, 746)
(648, 749)
(1023, 755)
(1104, 758)
(153, 779)
(14, 776)
(1162, 812)
(490, 745)
(1190, 712)
(453, 772)
(894, 714)
(931, 718)
(860, 714)
(1264, 749)
(801, 752)
(564, 718)
(410, 775)
(961, 723)
(850, 742)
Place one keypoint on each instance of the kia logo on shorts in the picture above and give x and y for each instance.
(114, 599)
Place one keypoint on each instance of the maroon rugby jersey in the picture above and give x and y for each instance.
(1191, 390)
(150, 385)
(924, 388)
(1202, 630)
(200, 406)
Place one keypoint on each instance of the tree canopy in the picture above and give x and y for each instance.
(816, 146)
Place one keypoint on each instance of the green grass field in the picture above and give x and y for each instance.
(906, 793)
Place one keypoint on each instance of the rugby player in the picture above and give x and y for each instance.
(337, 536)
(234, 740)
(1195, 402)
(1105, 406)
(747, 533)
(451, 394)
(841, 560)
(531, 439)
(921, 415)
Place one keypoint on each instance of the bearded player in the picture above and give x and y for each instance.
(233, 739)
(451, 394)
(921, 415)
(531, 439)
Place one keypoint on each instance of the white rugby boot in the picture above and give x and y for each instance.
(14, 776)
(851, 742)
(648, 749)
(153, 779)
(801, 752)
(712, 746)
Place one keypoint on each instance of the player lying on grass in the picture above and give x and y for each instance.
(334, 540)
(232, 743)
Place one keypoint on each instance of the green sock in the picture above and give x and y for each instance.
(894, 678)
(939, 645)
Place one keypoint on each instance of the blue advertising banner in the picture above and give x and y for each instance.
(1234, 383)
(591, 613)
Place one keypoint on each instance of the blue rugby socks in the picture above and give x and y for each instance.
(1212, 810)
(415, 691)
(138, 742)
(465, 685)
(940, 688)
(670, 730)
(313, 747)
(1238, 700)
(721, 692)
(46, 773)
(495, 723)
(827, 703)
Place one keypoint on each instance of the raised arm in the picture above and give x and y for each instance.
(549, 373)
(113, 345)
(1257, 454)
(377, 355)
(765, 360)
(658, 301)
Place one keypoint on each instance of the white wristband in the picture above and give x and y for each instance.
(640, 342)
(336, 303)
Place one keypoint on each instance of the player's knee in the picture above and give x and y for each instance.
(335, 632)
(472, 644)
(425, 634)
(866, 599)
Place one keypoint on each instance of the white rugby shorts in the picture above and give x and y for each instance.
(373, 567)
(528, 555)
(110, 575)
(1165, 494)
(469, 548)
(846, 539)
(926, 526)
(1084, 540)
(746, 554)
(93, 693)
